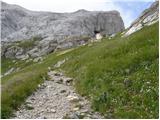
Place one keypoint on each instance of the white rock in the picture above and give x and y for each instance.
(73, 98)
(59, 63)
(38, 59)
(53, 110)
(76, 109)
(9, 71)
(49, 68)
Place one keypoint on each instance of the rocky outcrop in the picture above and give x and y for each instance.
(56, 30)
(148, 17)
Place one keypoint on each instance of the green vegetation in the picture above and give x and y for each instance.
(7, 64)
(119, 76)
(78, 38)
(28, 43)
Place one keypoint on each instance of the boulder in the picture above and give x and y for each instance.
(13, 52)
(23, 57)
(59, 63)
(73, 98)
(67, 80)
(38, 59)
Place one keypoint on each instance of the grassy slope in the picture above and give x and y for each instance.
(119, 76)
(7, 64)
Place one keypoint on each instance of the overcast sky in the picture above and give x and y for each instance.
(129, 9)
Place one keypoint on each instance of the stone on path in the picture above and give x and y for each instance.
(56, 100)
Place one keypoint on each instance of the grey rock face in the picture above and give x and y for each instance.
(148, 17)
(19, 23)
(13, 51)
(56, 30)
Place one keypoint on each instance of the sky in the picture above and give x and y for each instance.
(129, 9)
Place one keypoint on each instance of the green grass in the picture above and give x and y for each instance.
(119, 76)
(7, 64)
(26, 44)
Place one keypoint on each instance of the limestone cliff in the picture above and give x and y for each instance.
(60, 30)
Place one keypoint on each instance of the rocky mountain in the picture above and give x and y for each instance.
(55, 30)
(148, 17)
(19, 23)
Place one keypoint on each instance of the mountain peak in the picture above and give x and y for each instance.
(81, 10)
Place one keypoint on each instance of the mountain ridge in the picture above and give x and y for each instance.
(54, 30)
(48, 24)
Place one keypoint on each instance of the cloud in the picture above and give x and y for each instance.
(127, 13)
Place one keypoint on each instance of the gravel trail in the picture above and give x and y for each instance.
(56, 98)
